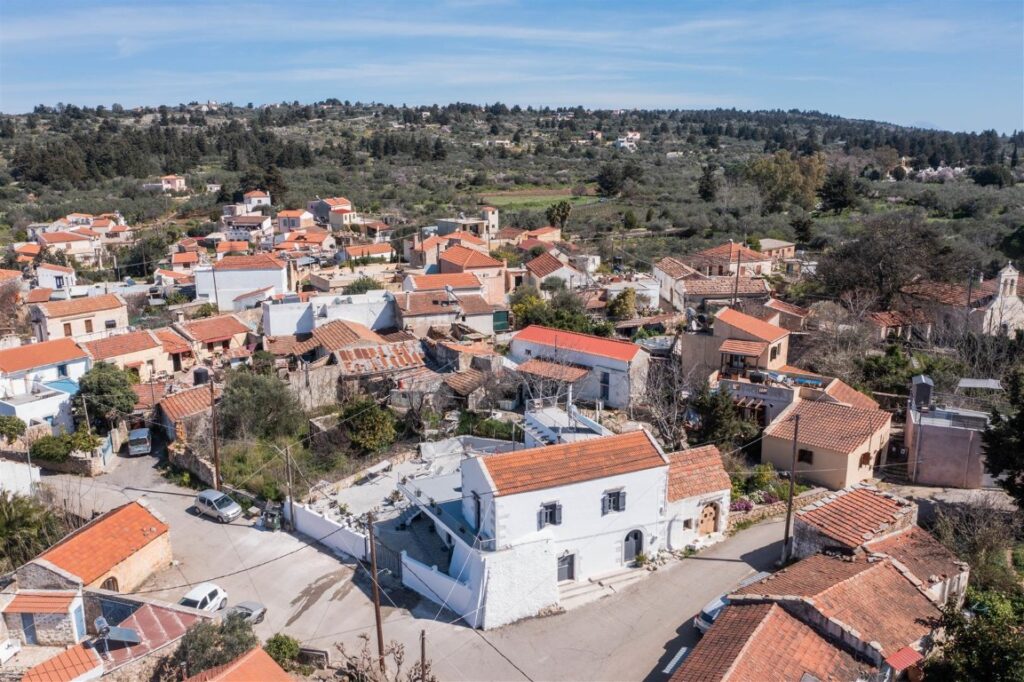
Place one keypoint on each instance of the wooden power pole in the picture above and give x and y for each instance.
(423, 656)
(216, 451)
(792, 490)
(376, 590)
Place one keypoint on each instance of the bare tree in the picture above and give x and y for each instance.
(981, 530)
(664, 401)
(841, 338)
(364, 665)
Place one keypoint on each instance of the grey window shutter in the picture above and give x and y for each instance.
(622, 501)
(540, 518)
(604, 504)
(558, 514)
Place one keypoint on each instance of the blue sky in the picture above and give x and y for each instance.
(955, 65)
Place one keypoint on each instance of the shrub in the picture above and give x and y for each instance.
(741, 505)
(283, 649)
(769, 497)
(11, 428)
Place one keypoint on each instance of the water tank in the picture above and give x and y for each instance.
(200, 376)
(921, 390)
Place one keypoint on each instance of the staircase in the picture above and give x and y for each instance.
(576, 594)
(620, 580)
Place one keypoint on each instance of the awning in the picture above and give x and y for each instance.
(740, 347)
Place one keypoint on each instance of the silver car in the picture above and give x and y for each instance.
(252, 611)
(713, 609)
(217, 505)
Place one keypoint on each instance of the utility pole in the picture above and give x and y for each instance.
(376, 591)
(216, 451)
(970, 291)
(288, 477)
(792, 486)
(85, 410)
(423, 656)
(739, 260)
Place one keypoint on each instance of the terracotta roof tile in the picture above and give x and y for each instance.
(845, 393)
(855, 515)
(567, 463)
(381, 359)
(369, 250)
(545, 264)
(40, 601)
(61, 237)
(465, 382)
(259, 261)
(38, 295)
(187, 403)
(185, 258)
(557, 371)
(739, 347)
(923, 555)
(696, 471)
(40, 355)
(437, 303)
(105, 542)
(947, 293)
(465, 257)
(213, 329)
(66, 666)
(730, 252)
(725, 286)
(456, 280)
(229, 246)
(81, 306)
(293, 213)
(157, 626)
(782, 306)
(559, 339)
(763, 642)
(255, 193)
(148, 395)
(250, 667)
(171, 274)
(172, 341)
(751, 325)
(51, 266)
(121, 344)
(831, 426)
(338, 334)
(903, 659)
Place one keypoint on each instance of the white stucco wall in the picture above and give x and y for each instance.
(621, 386)
(689, 509)
(375, 309)
(521, 581)
(232, 283)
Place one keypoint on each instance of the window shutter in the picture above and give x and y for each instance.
(622, 500)
(540, 518)
(604, 504)
(558, 514)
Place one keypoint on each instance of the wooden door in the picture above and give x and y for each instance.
(708, 519)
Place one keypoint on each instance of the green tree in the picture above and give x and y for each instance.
(995, 175)
(629, 221)
(707, 186)
(558, 214)
(720, 421)
(208, 644)
(623, 306)
(839, 191)
(986, 645)
(361, 286)
(368, 426)
(11, 428)
(27, 528)
(783, 178)
(205, 310)
(105, 393)
(552, 284)
(1003, 441)
(283, 649)
(258, 406)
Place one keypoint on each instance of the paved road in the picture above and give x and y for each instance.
(322, 601)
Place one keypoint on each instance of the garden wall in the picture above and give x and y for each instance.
(766, 511)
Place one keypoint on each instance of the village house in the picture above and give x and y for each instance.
(777, 250)
(256, 664)
(906, 325)
(382, 253)
(247, 228)
(737, 346)
(213, 336)
(548, 234)
(645, 288)
(186, 414)
(375, 231)
(483, 227)
(177, 348)
(140, 353)
(117, 551)
(55, 277)
(294, 219)
(254, 199)
(545, 268)
(38, 381)
(458, 283)
(26, 253)
(699, 492)
(341, 219)
(173, 183)
(617, 370)
(185, 261)
(81, 318)
(312, 240)
(786, 315)
(233, 248)
(301, 313)
(321, 208)
(490, 271)
(682, 286)
(837, 445)
(232, 277)
(725, 259)
(995, 307)
(418, 312)
(426, 253)
(82, 248)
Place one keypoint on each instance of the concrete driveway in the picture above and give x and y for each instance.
(324, 601)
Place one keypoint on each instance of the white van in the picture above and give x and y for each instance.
(139, 442)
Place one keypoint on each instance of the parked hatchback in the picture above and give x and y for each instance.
(205, 597)
(253, 612)
(217, 505)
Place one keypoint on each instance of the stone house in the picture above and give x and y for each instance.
(142, 353)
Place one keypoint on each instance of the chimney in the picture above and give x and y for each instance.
(407, 300)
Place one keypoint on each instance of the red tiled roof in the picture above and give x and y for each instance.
(213, 329)
(456, 280)
(257, 665)
(255, 193)
(548, 229)
(465, 382)
(66, 666)
(292, 213)
(61, 237)
(371, 250)
(918, 550)
(81, 306)
(903, 659)
(545, 264)
(474, 304)
(948, 294)
(751, 325)
(764, 642)
(845, 393)
(465, 257)
(380, 359)
(530, 243)
(437, 303)
(831, 426)
(172, 341)
(338, 334)
(49, 266)
(567, 463)
(148, 395)
(40, 601)
(782, 306)
(510, 233)
(40, 295)
(725, 286)
(731, 252)
(171, 274)
(259, 261)
(187, 403)
(560, 339)
(696, 471)
(337, 201)
(747, 348)
(229, 246)
(873, 598)
(855, 515)
(121, 344)
(105, 542)
(157, 626)
(553, 370)
(29, 249)
(40, 355)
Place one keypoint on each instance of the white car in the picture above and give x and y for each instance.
(205, 597)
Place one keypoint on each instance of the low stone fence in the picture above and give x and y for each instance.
(184, 457)
(766, 511)
(77, 463)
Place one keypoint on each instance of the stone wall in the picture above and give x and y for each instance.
(36, 576)
(185, 457)
(76, 464)
(315, 386)
(766, 511)
(143, 563)
(52, 629)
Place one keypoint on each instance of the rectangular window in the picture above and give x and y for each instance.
(774, 353)
(67, 329)
(613, 501)
(59, 282)
(550, 514)
(88, 326)
(606, 385)
(688, 524)
(110, 324)
(62, 370)
(805, 456)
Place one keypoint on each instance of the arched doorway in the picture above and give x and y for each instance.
(633, 545)
(708, 519)
(110, 584)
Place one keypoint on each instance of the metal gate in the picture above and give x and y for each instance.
(389, 560)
